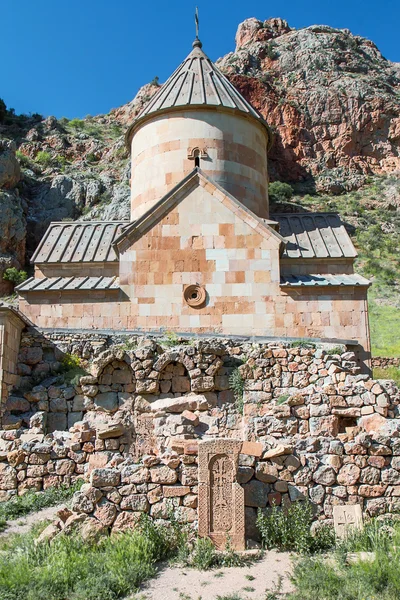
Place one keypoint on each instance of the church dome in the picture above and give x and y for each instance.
(197, 82)
(198, 119)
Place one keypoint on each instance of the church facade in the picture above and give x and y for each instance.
(201, 253)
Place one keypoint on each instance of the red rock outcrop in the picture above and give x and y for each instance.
(331, 98)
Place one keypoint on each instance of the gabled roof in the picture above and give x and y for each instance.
(325, 280)
(58, 284)
(315, 235)
(197, 177)
(79, 241)
(7, 308)
(197, 82)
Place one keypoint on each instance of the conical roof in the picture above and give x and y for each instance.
(197, 82)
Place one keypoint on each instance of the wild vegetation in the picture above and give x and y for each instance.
(20, 506)
(374, 576)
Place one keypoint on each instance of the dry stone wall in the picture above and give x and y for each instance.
(311, 426)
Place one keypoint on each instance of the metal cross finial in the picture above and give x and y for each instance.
(196, 20)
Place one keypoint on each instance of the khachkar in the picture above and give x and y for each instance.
(221, 498)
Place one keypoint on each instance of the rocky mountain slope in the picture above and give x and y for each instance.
(331, 98)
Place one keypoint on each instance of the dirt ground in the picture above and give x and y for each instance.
(249, 583)
(24, 524)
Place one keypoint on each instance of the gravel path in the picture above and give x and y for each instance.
(249, 583)
(24, 524)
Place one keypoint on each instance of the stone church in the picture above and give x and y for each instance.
(201, 254)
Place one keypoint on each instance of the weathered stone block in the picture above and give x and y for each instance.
(163, 475)
(256, 494)
(104, 477)
(266, 473)
(324, 426)
(56, 422)
(107, 401)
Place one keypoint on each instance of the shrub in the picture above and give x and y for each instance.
(78, 124)
(236, 382)
(279, 191)
(170, 339)
(44, 158)
(14, 275)
(3, 110)
(290, 529)
(71, 369)
(24, 160)
(270, 51)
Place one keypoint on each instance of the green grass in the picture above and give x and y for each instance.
(335, 579)
(200, 553)
(389, 373)
(20, 506)
(70, 569)
(385, 329)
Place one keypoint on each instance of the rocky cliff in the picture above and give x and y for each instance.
(331, 98)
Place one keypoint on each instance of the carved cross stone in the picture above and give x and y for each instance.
(345, 518)
(221, 498)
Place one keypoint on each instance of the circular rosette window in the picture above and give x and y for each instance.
(195, 296)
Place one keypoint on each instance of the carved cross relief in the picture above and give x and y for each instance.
(221, 498)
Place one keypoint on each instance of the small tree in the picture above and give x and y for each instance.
(14, 275)
(3, 110)
(279, 191)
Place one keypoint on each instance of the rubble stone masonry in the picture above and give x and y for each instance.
(311, 426)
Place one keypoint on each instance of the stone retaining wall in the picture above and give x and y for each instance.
(384, 363)
(311, 426)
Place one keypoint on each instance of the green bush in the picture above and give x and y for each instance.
(236, 382)
(24, 160)
(14, 275)
(78, 124)
(3, 110)
(71, 369)
(279, 191)
(44, 158)
(290, 529)
(270, 51)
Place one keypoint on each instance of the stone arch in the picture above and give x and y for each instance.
(174, 378)
(113, 368)
(116, 372)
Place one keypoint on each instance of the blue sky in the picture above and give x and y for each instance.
(87, 56)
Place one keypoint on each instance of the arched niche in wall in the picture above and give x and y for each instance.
(118, 375)
(174, 378)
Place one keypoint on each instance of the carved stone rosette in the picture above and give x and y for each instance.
(221, 498)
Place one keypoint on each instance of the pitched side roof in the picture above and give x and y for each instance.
(5, 307)
(197, 82)
(315, 235)
(58, 284)
(323, 280)
(79, 241)
(197, 177)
